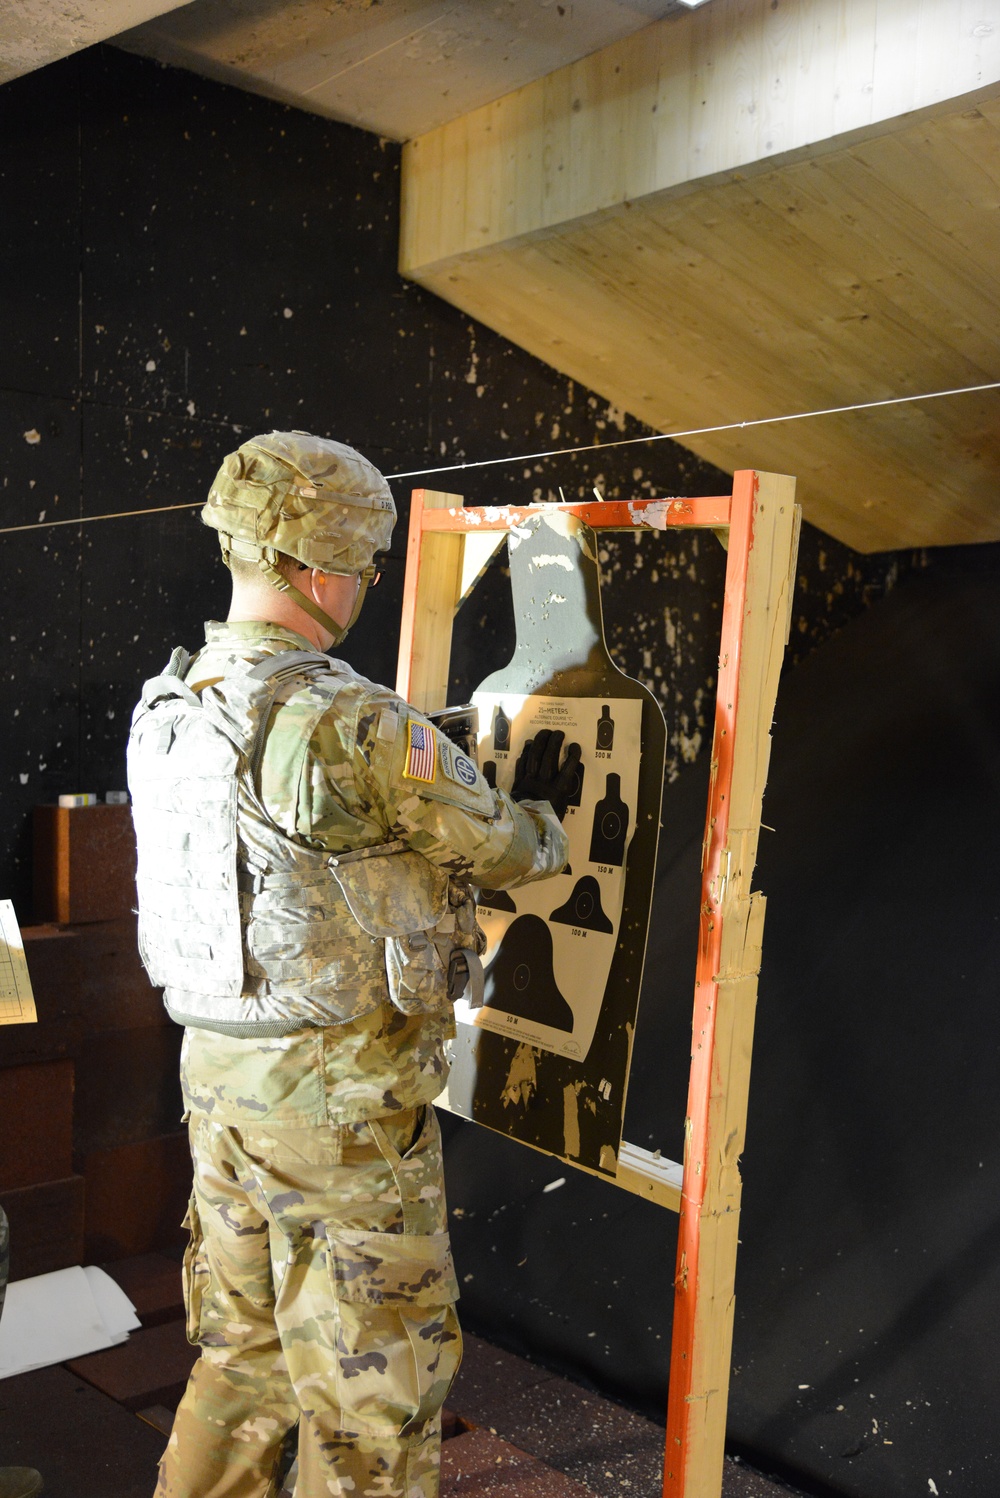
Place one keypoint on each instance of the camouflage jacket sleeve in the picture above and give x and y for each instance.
(435, 797)
(378, 769)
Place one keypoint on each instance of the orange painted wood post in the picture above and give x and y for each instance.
(407, 620)
(762, 523)
(763, 534)
(431, 591)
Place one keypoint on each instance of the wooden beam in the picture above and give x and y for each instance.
(622, 515)
(759, 577)
(692, 98)
(818, 178)
(430, 598)
(846, 265)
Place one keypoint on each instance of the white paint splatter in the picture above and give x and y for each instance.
(288, 312)
(150, 365)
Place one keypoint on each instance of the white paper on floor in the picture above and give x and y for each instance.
(62, 1315)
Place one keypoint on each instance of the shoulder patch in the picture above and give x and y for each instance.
(421, 752)
(456, 765)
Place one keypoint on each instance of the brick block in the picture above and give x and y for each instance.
(46, 1227)
(136, 1198)
(152, 1283)
(84, 864)
(127, 1088)
(87, 980)
(36, 1134)
(151, 1368)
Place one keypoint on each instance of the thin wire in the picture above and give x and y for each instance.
(561, 452)
(44, 525)
(731, 426)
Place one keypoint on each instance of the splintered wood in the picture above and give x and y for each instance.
(760, 571)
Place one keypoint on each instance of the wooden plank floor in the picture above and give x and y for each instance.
(95, 1427)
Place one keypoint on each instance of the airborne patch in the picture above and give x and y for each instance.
(458, 766)
(421, 753)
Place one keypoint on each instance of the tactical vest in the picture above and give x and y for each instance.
(247, 931)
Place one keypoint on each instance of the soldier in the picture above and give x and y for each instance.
(15, 1482)
(306, 842)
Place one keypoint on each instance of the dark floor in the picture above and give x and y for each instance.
(95, 1426)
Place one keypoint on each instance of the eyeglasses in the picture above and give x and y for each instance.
(371, 575)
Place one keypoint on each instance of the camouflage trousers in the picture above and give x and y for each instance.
(4, 1257)
(320, 1288)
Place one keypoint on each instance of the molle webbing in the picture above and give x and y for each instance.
(245, 929)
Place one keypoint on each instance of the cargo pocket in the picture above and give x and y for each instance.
(194, 1272)
(398, 1344)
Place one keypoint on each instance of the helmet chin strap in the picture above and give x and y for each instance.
(308, 605)
(267, 558)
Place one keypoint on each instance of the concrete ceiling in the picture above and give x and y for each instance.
(396, 67)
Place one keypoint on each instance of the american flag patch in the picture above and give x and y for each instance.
(421, 753)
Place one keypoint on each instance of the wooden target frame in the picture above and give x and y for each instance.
(449, 545)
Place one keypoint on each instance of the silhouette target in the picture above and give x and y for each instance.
(583, 908)
(501, 731)
(497, 899)
(577, 791)
(607, 841)
(605, 729)
(521, 979)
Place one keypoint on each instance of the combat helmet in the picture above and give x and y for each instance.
(307, 497)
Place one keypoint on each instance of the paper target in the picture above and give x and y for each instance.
(551, 943)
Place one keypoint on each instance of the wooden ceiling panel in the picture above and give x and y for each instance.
(823, 283)
(846, 270)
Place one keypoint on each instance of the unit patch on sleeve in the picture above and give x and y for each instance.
(458, 766)
(421, 755)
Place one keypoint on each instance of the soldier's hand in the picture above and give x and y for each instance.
(538, 775)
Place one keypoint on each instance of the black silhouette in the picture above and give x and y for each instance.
(497, 899)
(607, 842)
(577, 791)
(605, 729)
(521, 980)
(501, 731)
(583, 908)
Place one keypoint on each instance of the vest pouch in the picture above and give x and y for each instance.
(400, 896)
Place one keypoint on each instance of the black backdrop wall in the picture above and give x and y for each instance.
(183, 265)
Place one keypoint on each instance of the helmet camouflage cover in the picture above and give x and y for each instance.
(309, 497)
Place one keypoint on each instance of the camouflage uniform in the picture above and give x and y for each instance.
(319, 1280)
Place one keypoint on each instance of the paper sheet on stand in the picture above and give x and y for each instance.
(62, 1315)
(17, 1003)
(551, 943)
